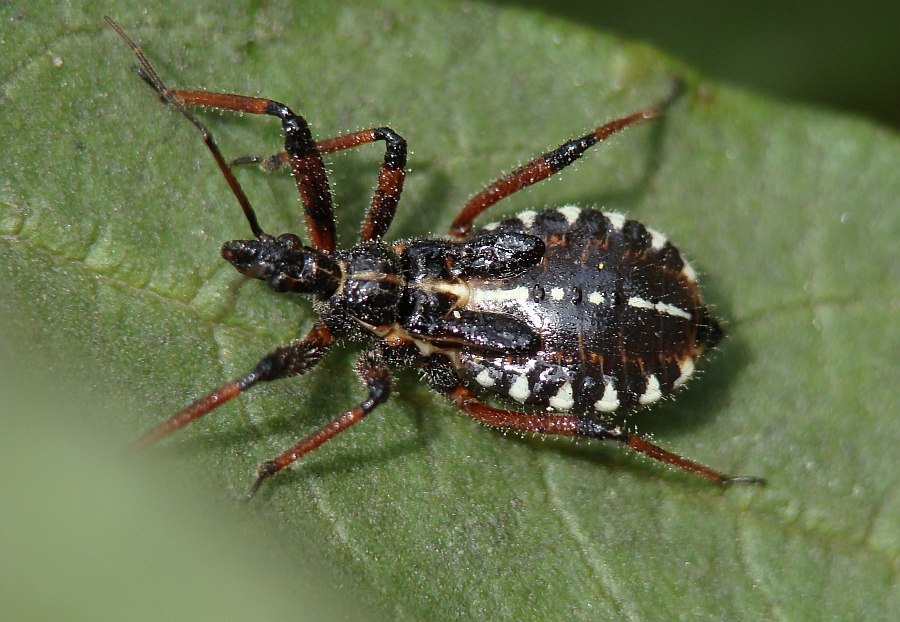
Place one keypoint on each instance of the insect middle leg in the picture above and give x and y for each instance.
(579, 425)
(376, 376)
(548, 164)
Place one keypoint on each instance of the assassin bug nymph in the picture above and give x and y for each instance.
(569, 313)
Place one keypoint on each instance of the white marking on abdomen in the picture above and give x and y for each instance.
(642, 303)
(610, 400)
(563, 399)
(596, 298)
(657, 239)
(616, 219)
(527, 217)
(462, 291)
(687, 368)
(519, 390)
(688, 271)
(484, 379)
(652, 392)
(570, 213)
(557, 293)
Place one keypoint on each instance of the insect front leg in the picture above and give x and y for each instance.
(304, 157)
(291, 360)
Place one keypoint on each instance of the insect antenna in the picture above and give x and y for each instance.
(148, 74)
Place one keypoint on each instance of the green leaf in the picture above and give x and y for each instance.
(118, 308)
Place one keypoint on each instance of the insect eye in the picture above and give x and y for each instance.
(240, 252)
(291, 240)
(281, 282)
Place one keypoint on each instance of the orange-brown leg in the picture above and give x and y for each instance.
(578, 425)
(390, 177)
(376, 376)
(305, 159)
(547, 165)
(291, 360)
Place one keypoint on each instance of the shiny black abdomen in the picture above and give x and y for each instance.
(617, 308)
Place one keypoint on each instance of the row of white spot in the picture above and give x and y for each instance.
(617, 220)
(569, 212)
(563, 399)
(480, 295)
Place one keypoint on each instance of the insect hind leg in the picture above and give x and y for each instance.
(579, 425)
(550, 163)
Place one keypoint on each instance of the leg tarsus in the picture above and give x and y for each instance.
(376, 376)
(597, 428)
(676, 90)
(743, 479)
(244, 160)
(266, 470)
(270, 164)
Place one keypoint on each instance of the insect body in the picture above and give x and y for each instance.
(568, 314)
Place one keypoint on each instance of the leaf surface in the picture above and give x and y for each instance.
(112, 213)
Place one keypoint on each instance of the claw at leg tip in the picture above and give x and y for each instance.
(265, 471)
(744, 479)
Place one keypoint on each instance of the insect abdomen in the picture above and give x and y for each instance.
(616, 306)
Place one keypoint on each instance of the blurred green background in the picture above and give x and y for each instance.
(842, 55)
